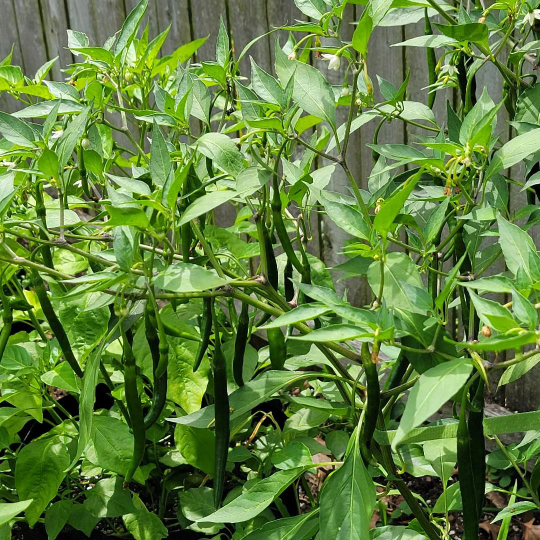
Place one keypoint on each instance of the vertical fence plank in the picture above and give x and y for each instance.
(248, 21)
(205, 22)
(176, 14)
(31, 35)
(9, 38)
(391, 67)
(55, 24)
(81, 18)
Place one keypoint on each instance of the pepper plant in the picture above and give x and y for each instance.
(162, 373)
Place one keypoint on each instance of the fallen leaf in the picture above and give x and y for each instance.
(497, 498)
(493, 530)
(531, 531)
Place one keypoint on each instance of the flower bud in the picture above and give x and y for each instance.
(85, 143)
(486, 331)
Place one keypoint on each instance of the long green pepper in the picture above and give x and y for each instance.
(221, 406)
(134, 407)
(371, 411)
(467, 476)
(277, 347)
(206, 332)
(7, 319)
(240, 344)
(159, 396)
(55, 324)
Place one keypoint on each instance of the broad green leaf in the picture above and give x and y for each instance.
(493, 314)
(362, 33)
(403, 286)
(435, 221)
(143, 524)
(255, 499)
(334, 332)
(196, 503)
(196, 446)
(7, 191)
(449, 501)
(39, 472)
(205, 204)
(312, 93)
(56, 517)
(432, 390)
(108, 498)
(384, 220)
(48, 163)
(9, 510)
(62, 376)
(378, 10)
(514, 151)
(70, 137)
(514, 510)
(302, 527)
(186, 387)
(187, 277)
(312, 8)
(127, 216)
(471, 32)
(434, 41)
(442, 455)
(130, 27)
(346, 217)
(111, 445)
(513, 373)
(222, 151)
(250, 395)
(265, 86)
(348, 499)
(86, 402)
(251, 180)
(160, 159)
(517, 246)
(295, 454)
(393, 532)
(301, 313)
(16, 131)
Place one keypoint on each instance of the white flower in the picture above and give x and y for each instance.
(334, 61)
(530, 17)
(57, 134)
(345, 91)
(449, 70)
(78, 183)
(292, 56)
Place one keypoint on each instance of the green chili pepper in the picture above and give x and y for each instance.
(467, 482)
(373, 397)
(7, 318)
(277, 347)
(159, 396)
(271, 268)
(42, 215)
(287, 279)
(478, 445)
(54, 323)
(171, 330)
(134, 407)
(206, 331)
(221, 405)
(431, 62)
(240, 344)
(277, 218)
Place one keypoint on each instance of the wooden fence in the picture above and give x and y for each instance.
(37, 31)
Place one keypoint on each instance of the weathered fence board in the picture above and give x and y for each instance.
(37, 30)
